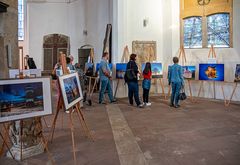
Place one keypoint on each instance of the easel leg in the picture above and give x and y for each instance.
(5, 136)
(94, 85)
(4, 141)
(224, 98)
(21, 139)
(214, 89)
(233, 92)
(190, 90)
(162, 86)
(72, 134)
(45, 122)
(81, 117)
(115, 92)
(199, 91)
(54, 122)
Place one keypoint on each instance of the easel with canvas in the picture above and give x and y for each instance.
(183, 60)
(125, 58)
(40, 135)
(211, 55)
(60, 106)
(227, 103)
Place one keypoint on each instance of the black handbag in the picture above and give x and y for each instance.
(182, 94)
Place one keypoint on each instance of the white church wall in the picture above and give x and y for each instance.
(50, 17)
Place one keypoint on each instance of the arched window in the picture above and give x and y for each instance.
(20, 20)
(193, 32)
(218, 26)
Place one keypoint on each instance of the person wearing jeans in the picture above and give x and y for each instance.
(105, 79)
(146, 84)
(175, 79)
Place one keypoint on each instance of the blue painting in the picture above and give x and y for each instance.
(189, 72)
(214, 72)
(17, 99)
(71, 89)
(89, 67)
(237, 73)
(98, 65)
(120, 70)
(156, 68)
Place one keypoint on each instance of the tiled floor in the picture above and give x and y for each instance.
(202, 133)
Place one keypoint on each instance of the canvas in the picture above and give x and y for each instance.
(71, 89)
(89, 69)
(25, 98)
(237, 73)
(214, 72)
(156, 68)
(189, 72)
(120, 70)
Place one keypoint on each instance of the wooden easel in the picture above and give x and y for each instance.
(125, 58)
(227, 102)
(60, 106)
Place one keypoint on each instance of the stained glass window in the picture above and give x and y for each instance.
(218, 26)
(193, 32)
(20, 19)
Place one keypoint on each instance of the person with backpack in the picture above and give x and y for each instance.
(132, 81)
(146, 84)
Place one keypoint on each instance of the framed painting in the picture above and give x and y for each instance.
(89, 69)
(211, 72)
(25, 98)
(189, 72)
(157, 71)
(237, 73)
(120, 70)
(71, 89)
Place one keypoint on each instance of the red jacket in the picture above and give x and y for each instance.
(147, 76)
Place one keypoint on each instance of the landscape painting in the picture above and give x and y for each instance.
(156, 68)
(213, 72)
(71, 89)
(237, 73)
(24, 98)
(89, 69)
(189, 72)
(120, 70)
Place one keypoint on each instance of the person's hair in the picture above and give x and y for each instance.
(175, 60)
(68, 60)
(133, 57)
(71, 57)
(105, 54)
(147, 68)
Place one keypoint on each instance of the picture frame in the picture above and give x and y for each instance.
(211, 72)
(237, 73)
(189, 72)
(120, 70)
(157, 70)
(25, 98)
(71, 89)
(89, 69)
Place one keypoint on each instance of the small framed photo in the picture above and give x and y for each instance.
(25, 98)
(71, 89)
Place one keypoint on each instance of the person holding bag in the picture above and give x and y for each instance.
(175, 79)
(146, 84)
(130, 78)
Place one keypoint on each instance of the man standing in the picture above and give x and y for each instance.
(105, 79)
(175, 79)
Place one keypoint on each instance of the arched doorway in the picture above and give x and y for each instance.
(52, 45)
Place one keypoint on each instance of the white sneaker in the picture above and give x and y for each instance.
(140, 106)
(148, 104)
(67, 111)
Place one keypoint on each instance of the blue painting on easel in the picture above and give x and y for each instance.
(98, 65)
(157, 71)
(214, 72)
(120, 70)
(237, 73)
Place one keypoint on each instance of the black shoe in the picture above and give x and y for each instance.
(171, 105)
(101, 103)
(113, 101)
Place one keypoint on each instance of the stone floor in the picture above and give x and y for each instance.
(202, 133)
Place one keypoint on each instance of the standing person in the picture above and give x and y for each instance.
(70, 65)
(105, 79)
(175, 79)
(146, 84)
(132, 81)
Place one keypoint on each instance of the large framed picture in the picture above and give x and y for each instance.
(237, 73)
(157, 71)
(120, 70)
(25, 98)
(71, 89)
(89, 69)
(213, 72)
(189, 72)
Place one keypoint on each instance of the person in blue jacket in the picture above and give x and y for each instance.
(175, 79)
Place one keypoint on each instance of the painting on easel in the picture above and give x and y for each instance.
(89, 69)
(98, 65)
(214, 72)
(156, 68)
(120, 70)
(189, 72)
(237, 73)
(24, 98)
(71, 89)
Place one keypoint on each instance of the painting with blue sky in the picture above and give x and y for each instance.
(237, 73)
(156, 68)
(213, 72)
(120, 70)
(189, 72)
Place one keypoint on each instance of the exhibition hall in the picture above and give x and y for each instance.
(119, 82)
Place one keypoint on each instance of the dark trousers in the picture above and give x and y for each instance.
(145, 95)
(133, 91)
(105, 85)
(176, 87)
